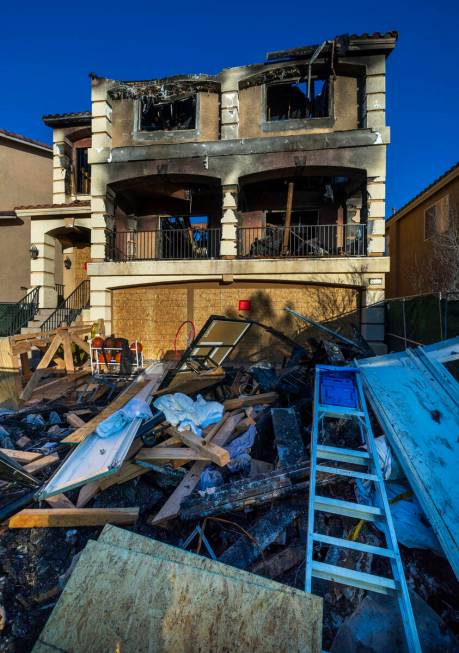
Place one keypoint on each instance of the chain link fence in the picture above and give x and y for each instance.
(421, 319)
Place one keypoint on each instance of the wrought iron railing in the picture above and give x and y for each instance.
(59, 288)
(301, 241)
(161, 244)
(69, 309)
(14, 316)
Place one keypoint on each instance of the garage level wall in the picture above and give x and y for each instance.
(153, 314)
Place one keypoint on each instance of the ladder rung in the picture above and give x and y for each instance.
(350, 473)
(354, 578)
(343, 455)
(339, 411)
(348, 508)
(350, 544)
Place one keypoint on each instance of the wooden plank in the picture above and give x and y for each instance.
(21, 456)
(41, 463)
(194, 610)
(172, 453)
(68, 355)
(72, 517)
(74, 420)
(82, 344)
(281, 562)
(32, 384)
(251, 400)
(172, 506)
(52, 349)
(59, 501)
(210, 450)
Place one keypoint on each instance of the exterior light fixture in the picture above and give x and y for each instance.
(245, 305)
(67, 263)
(33, 252)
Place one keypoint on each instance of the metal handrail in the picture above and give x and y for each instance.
(162, 244)
(19, 314)
(70, 308)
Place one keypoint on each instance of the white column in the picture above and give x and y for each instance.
(228, 243)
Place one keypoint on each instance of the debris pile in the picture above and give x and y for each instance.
(211, 454)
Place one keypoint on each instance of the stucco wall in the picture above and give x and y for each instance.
(409, 252)
(153, 314)
(25, 178)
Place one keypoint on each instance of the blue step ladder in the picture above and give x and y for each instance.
(338, 393)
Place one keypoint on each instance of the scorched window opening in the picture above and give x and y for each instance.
(291, 101)
(168, 116)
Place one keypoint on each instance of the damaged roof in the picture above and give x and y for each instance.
(11, 136)
(80, 118)
(377, 43)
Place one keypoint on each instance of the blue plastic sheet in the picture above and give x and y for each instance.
(134, 409)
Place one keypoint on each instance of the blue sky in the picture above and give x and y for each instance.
(48, 49)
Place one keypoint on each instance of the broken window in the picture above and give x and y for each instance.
(168, 116)
(436, 218)
(291, 101)
(83, 171)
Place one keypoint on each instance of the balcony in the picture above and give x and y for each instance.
(298, 241)
(301, 241)
(163, 244)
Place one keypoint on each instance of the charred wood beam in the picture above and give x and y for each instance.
(248, 492)
(290, 447)
(244, 552)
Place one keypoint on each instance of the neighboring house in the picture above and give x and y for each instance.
(25, 178)
(183, 196)
(423, 240)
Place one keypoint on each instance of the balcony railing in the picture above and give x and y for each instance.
(163, 244)
(301, 241)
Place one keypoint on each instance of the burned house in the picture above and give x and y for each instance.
(198, 194)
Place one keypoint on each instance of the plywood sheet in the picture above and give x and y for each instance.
(118, 599)
(148, 546)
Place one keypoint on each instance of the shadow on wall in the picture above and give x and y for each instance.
(337, 306)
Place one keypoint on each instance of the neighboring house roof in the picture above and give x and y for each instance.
(81, 118)
(429, 190)
(54, 206)
(18, 138)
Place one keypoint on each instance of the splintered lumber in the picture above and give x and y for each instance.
(32, 383)
(172, 506)
(290, 447)
(187, 616)
(251, 400)
(265, 531)
(72, 517)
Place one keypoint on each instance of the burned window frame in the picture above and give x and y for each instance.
(166, 134)
(297, 123)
